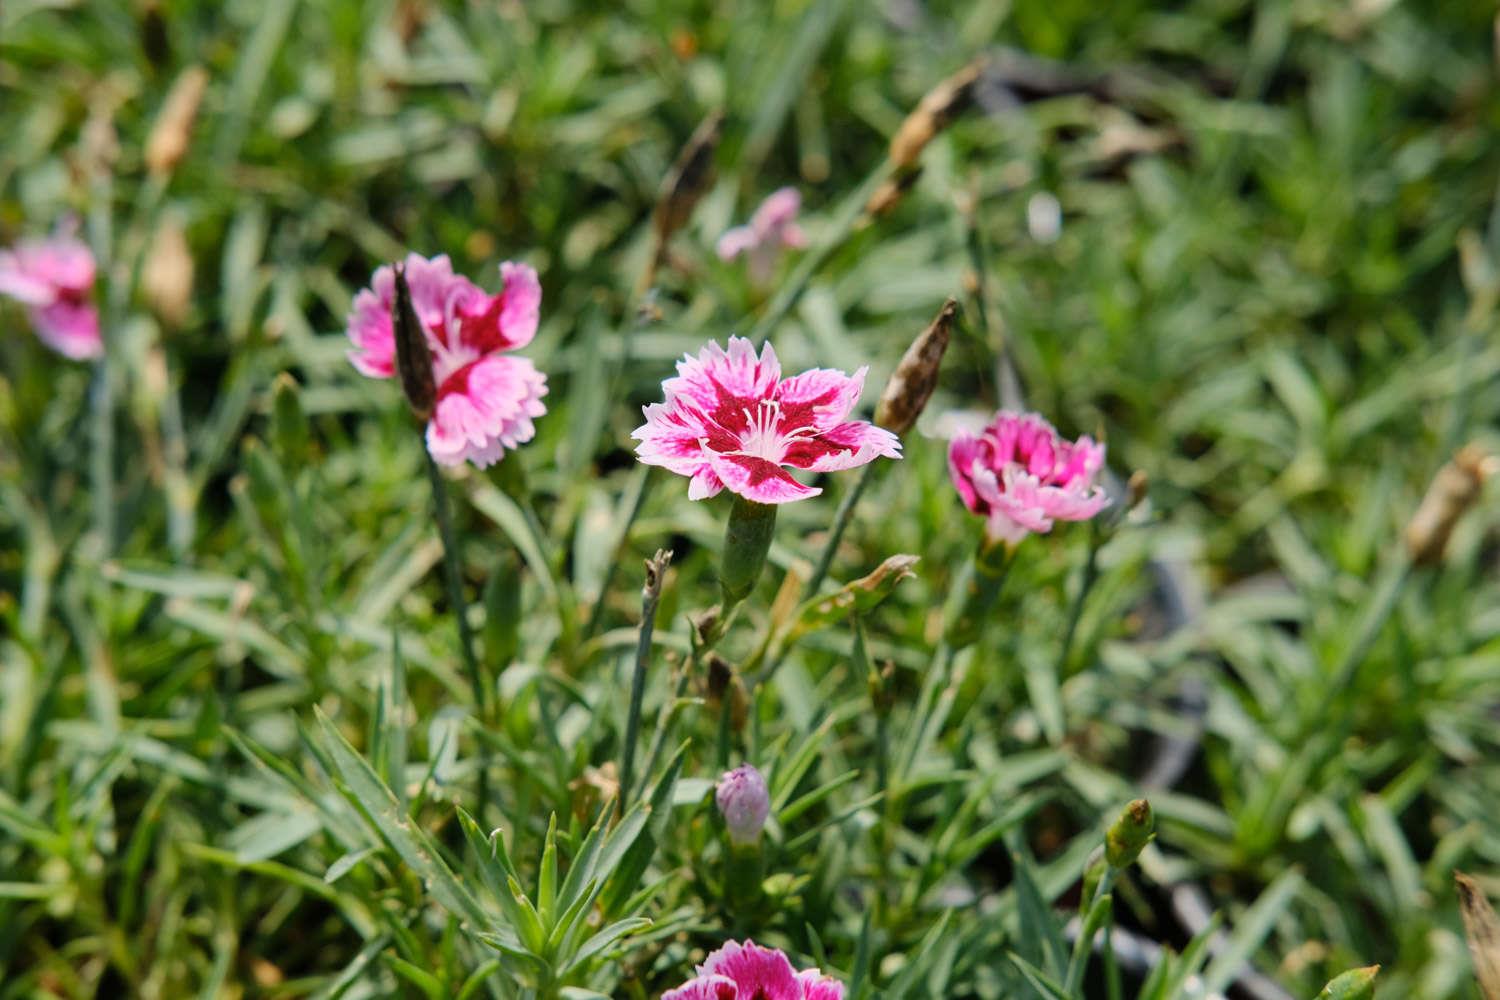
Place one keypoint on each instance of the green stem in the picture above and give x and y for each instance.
(640, 486)
(1100, 909)
(974, 593)
(1075, 612)
(460, 608)
(841, 519)
(650, 597)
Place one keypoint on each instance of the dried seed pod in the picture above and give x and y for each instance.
(889, 194)
(1482, 928)
(167, 274)
(1453, 491)
(937, 108)
(723, 682)
(413, 358)
(173, 131)
(688, 179)
(911, 384)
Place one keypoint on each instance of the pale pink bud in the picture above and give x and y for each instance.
(745, 801)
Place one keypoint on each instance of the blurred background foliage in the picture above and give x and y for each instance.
(1256, 294)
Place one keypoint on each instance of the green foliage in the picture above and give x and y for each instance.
(239, 746)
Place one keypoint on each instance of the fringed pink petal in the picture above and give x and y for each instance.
(735, 242)
(760, 973)
(69, 328)
(491, 411)
(846, 446)
(705, 988)
(1022, 476)
(758, 479)
(816, 986)
(820, 398)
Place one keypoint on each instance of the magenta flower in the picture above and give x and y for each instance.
(486, 401)
(54, 279)
(745, 802)
(772, 229)
(749, 972)
(1022, 476)
(730, 420)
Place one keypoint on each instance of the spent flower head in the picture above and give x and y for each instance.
(1022, 476)
(750, 972)
(485, 401)
(54, 279)
(731, 421)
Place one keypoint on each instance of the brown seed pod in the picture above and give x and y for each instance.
(912, 383)
(173, 131)
(1453, 491)
(889, 194)
(413, 359)
(937, 108)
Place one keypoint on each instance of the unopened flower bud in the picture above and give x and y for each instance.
(1453, 491)
(939, 107)
(1356, 984)
(747, 539)
(413, 358)
(173, 130)
(1129, 835)
(911, 384)
(745, 802)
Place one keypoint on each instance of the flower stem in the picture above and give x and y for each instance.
(1075, 612)
(650, 597)
(974, 593)
(1100, 910)
(841, 519)
(460, 608)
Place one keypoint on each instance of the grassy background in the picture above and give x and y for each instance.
(1257, 296)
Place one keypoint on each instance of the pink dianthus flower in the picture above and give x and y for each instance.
(486, 400)
(772, 229)
(749, 972)
(54, 279)
(731, 421)
(1021, 475)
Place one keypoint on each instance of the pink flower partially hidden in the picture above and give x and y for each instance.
(749, 972)
(772, 229)
(54, 279)
(731, 421)
(1022, 476)
(486, 401)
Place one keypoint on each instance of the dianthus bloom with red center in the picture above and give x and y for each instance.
(731, 421)
(54, 279)
(486, 401)
(772, 229)
(749, 972)
(1021, 476)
